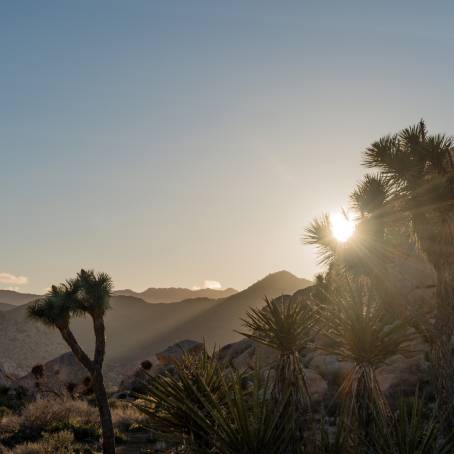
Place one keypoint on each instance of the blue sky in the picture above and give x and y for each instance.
(171, 142)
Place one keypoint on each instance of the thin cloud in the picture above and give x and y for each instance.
(12, 280)
(213, 285)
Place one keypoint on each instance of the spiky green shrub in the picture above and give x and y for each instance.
(328, 441)
(248, 422)
(173, 401)
(359, 332)
(412, 430)
(204, 409)
(287, 325)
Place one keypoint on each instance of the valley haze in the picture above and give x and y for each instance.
(137, 327)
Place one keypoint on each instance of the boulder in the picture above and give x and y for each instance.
(5, 379)
(246, 353)
(55, 377)
(231, 351)
(316, 384)
(137, 380)
(175, 352)
(329, 367)
(401, 376)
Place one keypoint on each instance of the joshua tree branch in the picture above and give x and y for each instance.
(83, 358)
(100, 336)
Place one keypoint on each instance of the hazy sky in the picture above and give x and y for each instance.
(173, 142)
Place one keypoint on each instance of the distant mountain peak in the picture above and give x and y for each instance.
(176, 294)
(282, 278)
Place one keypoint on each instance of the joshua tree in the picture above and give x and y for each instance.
(286, 324)
(420, 168)
(373, 244)
(88, 293)
(381, 238)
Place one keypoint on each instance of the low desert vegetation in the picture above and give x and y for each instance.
(39, 424)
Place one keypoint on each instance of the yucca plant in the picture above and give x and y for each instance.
(413, 430)
(331, 441)
(176, 402)
(249, 422)
(286, 324)
(359, 332)
(203, 408)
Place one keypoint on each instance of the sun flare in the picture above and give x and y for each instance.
(342, 227)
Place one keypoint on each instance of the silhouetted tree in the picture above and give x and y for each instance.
(286, 324)
(358, 329)
(420, 168)
(88, 293)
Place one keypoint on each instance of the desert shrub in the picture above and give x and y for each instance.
(146, 365)
(12, 399)
(38, 371)
(58, 443)
(119, 437)
(5, 411)
(9, 423)
(127, 418)
(82, 432)
(50, 416)
(39, 416)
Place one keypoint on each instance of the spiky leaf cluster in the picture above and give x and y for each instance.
(206, 410)
(86, 293)
(284, 324)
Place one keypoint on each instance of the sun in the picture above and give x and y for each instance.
(342, 227)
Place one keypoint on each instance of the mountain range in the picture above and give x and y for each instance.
(15, 298)
(137, 329)
(175, 294)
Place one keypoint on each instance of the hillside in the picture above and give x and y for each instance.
(175, 294)
(6, 306)
(16, 298)
(137, 329)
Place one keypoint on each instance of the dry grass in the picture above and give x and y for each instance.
(9, 424)
(125, 416)
(59, 443)
(42, 414)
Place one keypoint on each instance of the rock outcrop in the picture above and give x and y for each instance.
(59, 376)
(5, 379)
(174, 353)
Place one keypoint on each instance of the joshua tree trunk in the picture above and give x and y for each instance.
(442, 351)
(95, 369)
(439, 248)
(108, 435)
(87, 294)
